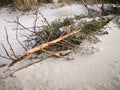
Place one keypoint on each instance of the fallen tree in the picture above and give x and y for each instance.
(52, 38)
(45, 45)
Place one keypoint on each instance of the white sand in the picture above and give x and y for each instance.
(100, 71)
(6, 14)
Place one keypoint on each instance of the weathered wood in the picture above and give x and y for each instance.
(45, 45)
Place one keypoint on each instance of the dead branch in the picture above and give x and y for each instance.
(34, 32)
(7, 38)
(44, 18)
(36, 49)
(47, 24)
(7, 52)
(16, 60)
(23, 26)
(35, 21)
(17, 36)
(86, 7)
(4, 57)
(17, 22)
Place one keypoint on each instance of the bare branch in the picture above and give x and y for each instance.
(23, 26)
(7, 52)
(17, 22)
(45, 45)
(7, 38)
(4, 57)
(15, 61)
(44, 18)
(35, 21)
(86, 7)
(17, 36)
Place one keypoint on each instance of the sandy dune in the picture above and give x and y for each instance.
(99, 71)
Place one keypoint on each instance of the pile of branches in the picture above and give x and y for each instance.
(60, 35)
(49, 39)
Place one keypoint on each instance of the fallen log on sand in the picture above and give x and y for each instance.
(45, 45)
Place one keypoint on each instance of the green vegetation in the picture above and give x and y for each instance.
(55, 26)
(94, 25)
(62, 23)
(56, 29)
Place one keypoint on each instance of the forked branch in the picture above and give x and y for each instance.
(45, 45)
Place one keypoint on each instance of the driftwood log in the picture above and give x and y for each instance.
(45, 45)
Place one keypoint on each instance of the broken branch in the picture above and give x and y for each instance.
(45, 45)
(7, 38)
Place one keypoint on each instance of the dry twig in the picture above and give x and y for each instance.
(7, 38)
(7, 53)
(17, 35)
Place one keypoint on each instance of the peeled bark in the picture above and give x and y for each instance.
(45, 45)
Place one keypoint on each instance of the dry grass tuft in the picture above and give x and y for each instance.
(25, 4)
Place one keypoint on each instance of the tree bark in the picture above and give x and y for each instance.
(45, 45)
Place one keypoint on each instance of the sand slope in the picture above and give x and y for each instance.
(99, 71)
